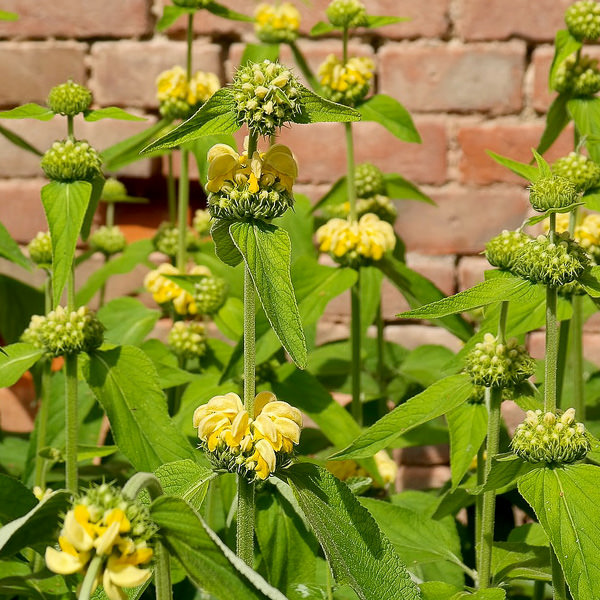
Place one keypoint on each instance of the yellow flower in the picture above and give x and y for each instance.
(172, 85)
(123, 572)
(347, 82)
(201, 87)
(387, 467)
(223, 418)
(277, 422)
(277, 23)
(264, 460)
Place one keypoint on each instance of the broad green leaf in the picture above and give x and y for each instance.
(200, 147)
(337, 194)
(299, 224)
(133, 255)
(28, 111)
(316, 109)
(387, 111)
(524, 170)
(418, 290)
(437, 590)
(543, 166)
(468, 428)
(427, 364)
(592, 199)
(65, 205)
(166, 365)
(111, 112)
(436, 400)
(556, 121)
(225, 249)
(171, 14)
(15, 499)
(267, 254)
(488, 594)
(84, 452)
(230, 318)
(216, 116)
(97, 187)
(125, 383)
(515, 560)
(321, 28)
(552, 211)
(564, 45)
(127, 321)
(565, 500)
(8, 16)
(357, 551)
(586, 114)
(590, 281)
(17, 140)
(401, 189)
(226, 13)
(505, 472)
(15, 360)
(18, 302)
(206, 560)
(185, 479)
(376, 21)
(487, 292)
(38, 526)
(257, 53)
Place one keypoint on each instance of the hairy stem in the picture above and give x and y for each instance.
(355, 335)
(90, 576)
(479, 505)
(71, 424)
(189, 45)
(184, 196)
(550, 368)
(350, 171)
(171, 191)
(245, 521)
(564, 335)
(381, 360)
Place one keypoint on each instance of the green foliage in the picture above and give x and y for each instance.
(15, 499)
(15, 360)
(111, 112)
(18, 141)
(392, 115)
(185, 479)
(28, 111)
(127, 321)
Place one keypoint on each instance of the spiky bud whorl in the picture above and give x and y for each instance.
(69, 99)
(493, 364)
(266, 96)
(579, 170)
(502, 250)
(238, 204)
(553, 438)
(166, 239)
(71, 161)
(369, 181)
(108, 240)
(210, 294)
(577, 77)
(583, 20)
(65, 332)
(33, 333)
(40, 249)
(555, 264)
(113, 190)
(188, 339)
(552, 192)
(347, 13)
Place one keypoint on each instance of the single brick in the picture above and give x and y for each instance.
(510, 138)
(455, 225)
(503, 19)
(454, 77)
(77, 18)
(30, 69)
(471, 271)
(124, 73)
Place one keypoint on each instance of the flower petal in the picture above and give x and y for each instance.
(126, 575)
(64, 563)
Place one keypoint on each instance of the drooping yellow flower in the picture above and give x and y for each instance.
(277, 422)
(201, 87)
(172, 85)
(346, 82)
(387, 467)
(276, 23)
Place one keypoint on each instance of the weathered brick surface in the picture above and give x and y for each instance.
(454, 77)
(591, 346)
(29, 69)
(412, 336)
(77, 18)
(21, 210)
(471, 271)
(503, 19)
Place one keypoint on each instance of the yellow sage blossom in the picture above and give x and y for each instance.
(276, 23)
(346, 83)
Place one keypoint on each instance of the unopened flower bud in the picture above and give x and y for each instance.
(69, 99)
(201, 222)
(579, 169)
(108, 240)
(552, 192)
(577, 77)
(346, 83)
(166, 239)
(347, 14)
(188, 339)
(583, 20)
(65, 332)
(502, 250)
(71, 161)
(210, 294)
(369, 181)
(40, 249)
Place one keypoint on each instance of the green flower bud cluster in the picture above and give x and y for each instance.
(210, 294)
(63, 332)
(493, 364)
(555, 264)
(579, 169)
(551, 438)
(347, 14)
(369, 181)
(552, 192)
(378, 205)
(188, 339)
(108, 240)
(266, 96)
(502, 251)
(583, 20)
(577, 77)
(40, 249)
(71, 161)
(69, 99)
(166, 239)
(33, 334)
(113, 190)
(239, 202)
(176, 108)
(201, 222)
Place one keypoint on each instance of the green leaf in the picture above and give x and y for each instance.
(305, 68)
(565, 500)
(185, 479)
(97, 187)
(468, 428)
(267, 254)
(373, 21)
(591, 199)
(505, 471)
(127, 321)
(556, 121)
(484, 293)
(299, 224)
(488, 594)
(418, 290)
(133, 255)
(257, 53)
(84, 452)
(437, 590)
(543, 166)
(15, 360)
(17, 140)
(321, 28)
(590, 281)
(387, 111)
(125, 383)
(216, 116)
(65, 205)
(401, 189)
(539, 218)
(200, 148)
(371, 279)
(111, 112)
(227, 13)
(18, 302)
(564, 45)
(230, 318)
(436, 400)
(10, 250)
(316, 109)
(225, 249)
(171, 14)
(28, 111)
(38, 526)
(586, 114)
(524, 170)
(357, 551)
(337, 194)
(511, 560)
(207, 561)
(15, 499)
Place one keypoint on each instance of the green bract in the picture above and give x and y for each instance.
(503, 250)
(188, 339)
(552, 192)
(69, 99)
(369, 181)
(108, 240)
(40, 249)
(577, 77)
(210, 294)
(347, 14)
(238, 202)
(583, 20)
(71, 161)
(579, 169)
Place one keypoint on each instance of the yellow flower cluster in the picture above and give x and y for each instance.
(89, 531)
(164, 290)
(349, 469)
(240, 444)
(346, 83)
(276, 23)
(587, 232)
(356, 242)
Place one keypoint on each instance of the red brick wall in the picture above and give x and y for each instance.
(472, 72)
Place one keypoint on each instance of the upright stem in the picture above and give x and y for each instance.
(184, 194)
(502, 322)
(90, 577)
(539, 590)
(171, 191)
(189, 43)
(71, 424)
(559, 588)
(381, 360)
(70, 128)
(564, 335)
(110, 214)
(577, 349)
(249, 342)
(550, 368)
(355, 335)
(489, 498)
(350, 171)
(345, 44)
(479, 505)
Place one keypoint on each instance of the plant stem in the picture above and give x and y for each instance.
(71, 424)
(479, 505)
(189, 44)
(350, 171)
(355, 335)
(564, 334)
(345, 44)
(171, 191)
(539, 590)
(550, 368)
(577, 350)
(245, 521)
(489, 498)
(70, 128)
(90, 576)
(110, 214)
(184, 194)
(502, 322)
(381, 360)
(559, 589)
